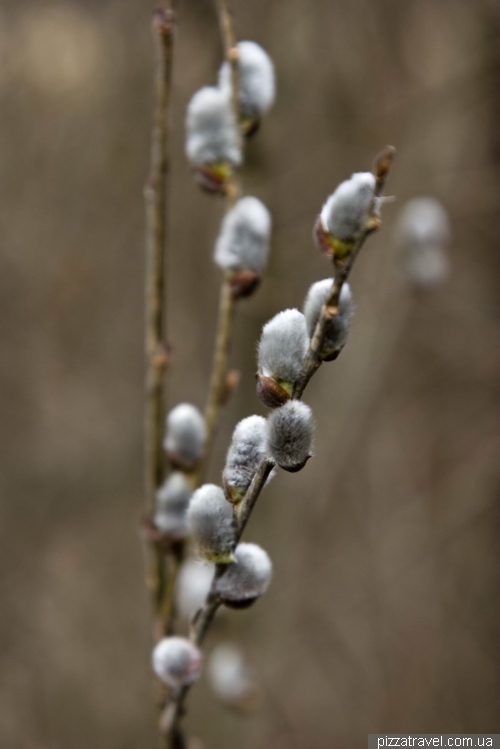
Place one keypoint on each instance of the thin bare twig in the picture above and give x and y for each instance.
(227, 301)
(155, 196)
(216, 393)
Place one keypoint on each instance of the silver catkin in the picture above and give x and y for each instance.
(211, 134)
(177, 662)
(210, 519)
(243, 242)
(248, 445)
(343, 213)
(283, 346)
(247, 578)
(337, 329)
(423, 233)
(256, 79)
(290, 434)
(185, 435)
(172, 500)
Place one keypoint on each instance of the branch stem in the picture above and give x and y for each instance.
(156, 351)
(216, 392)
(155, 197)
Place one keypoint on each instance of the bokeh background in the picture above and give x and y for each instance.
(384, 611)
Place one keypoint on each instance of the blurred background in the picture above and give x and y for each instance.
(384, 610)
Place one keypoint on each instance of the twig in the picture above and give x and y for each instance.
(216, 393)
(155, 196)
(231, 54)
(252, 494)
(343, 267)
(227, 301)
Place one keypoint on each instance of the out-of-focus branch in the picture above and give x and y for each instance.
(231, 54)
(223, 337)
(155, 196)
(217, 389)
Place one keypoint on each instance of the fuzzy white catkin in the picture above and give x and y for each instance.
(337, 329)
(247, 578)
(177, 662)
(210, 519)
(229, 674)
(211, 133)
(185, 434)
(423, 232)
(243, 242)
(290, 434)
(248, 446)
(283, 346)
(195, 579)
(256, 79)
(343, 213)
(172, 500)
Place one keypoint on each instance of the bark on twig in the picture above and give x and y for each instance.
(215, 399)
(155, 198)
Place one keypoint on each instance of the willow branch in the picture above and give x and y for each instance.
(155, 197)
(204, 618)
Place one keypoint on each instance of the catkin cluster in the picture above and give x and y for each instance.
(284, 438)
(214, 142)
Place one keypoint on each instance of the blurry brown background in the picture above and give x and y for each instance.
(384, 611)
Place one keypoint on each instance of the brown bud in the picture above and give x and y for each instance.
(297, 467)
(161, 355)
(176, 462)
(383, 162)
(245, 603)
(231, 382)
(163, 20)
(270, 392)
(243, 283)
(161, 539)
(321, 238)
(209, 180)
(231, 492)
(331, 355)
(250, 126)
